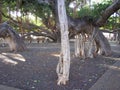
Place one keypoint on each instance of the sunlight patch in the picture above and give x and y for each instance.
(116, 59)
(7, 60)
(15, 56)
(112, 67)
(56, 55)
(10, 58)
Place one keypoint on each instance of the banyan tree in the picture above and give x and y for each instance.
(81, 27)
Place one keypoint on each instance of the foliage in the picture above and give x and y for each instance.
(95, 10)
(44, 12)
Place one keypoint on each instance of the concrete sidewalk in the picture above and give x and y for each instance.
(3, 87)
(110, 80)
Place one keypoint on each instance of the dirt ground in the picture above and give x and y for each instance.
(35, 68)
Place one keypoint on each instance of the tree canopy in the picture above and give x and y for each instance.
(45, 13)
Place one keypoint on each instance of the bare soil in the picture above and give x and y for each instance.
(35, 68)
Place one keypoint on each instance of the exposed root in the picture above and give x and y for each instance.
(62, 80)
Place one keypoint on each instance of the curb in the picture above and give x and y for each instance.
(110, 80)
(3, 87)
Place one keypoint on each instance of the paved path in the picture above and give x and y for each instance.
(110, 80)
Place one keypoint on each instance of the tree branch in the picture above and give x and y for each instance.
(107, 13)
(108, 31)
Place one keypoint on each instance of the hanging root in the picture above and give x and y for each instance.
(91, 46)
(80, 46)
(77, 45)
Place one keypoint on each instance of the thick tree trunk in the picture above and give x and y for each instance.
(82, 26)
(13, 39)
(118, 37)
(64, 62)
(102, 43)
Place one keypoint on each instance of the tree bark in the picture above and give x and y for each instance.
(102, 43)
(91, 46)
(64, 61)
(13, 39)
(77, 45)
(82, 46)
